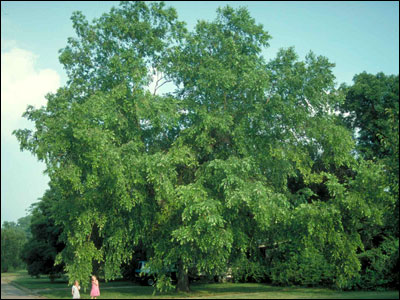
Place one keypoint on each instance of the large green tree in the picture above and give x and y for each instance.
(244, 154)
(93, 134)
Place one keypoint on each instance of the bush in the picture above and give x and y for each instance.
(380, 266)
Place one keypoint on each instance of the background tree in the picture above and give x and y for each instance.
(41, 249)
(371, 111)
(13, 239)
(24, 224)
(371, 108)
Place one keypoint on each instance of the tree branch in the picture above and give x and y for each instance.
(157, 87)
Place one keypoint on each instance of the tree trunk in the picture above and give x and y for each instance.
(183, 279)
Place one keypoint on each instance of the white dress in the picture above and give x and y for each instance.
(75, 292)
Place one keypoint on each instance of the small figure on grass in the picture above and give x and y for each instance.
(75, 290)
(95, 292)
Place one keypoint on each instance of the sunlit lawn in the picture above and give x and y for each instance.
(128, 290)
(233, 291)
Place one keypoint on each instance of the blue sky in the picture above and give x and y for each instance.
(356, 36)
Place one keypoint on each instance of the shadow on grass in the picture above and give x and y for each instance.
(254, 288)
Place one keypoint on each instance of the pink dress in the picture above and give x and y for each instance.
(95, 290)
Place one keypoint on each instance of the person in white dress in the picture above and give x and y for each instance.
(75, 290)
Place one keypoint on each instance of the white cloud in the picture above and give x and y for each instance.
(22, 84)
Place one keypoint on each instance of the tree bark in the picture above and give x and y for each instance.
(183, 279)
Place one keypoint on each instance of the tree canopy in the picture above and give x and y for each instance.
(243, 155)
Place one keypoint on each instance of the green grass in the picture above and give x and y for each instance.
(22, 278)
(127, 290)
(12, 275)
(234, 291)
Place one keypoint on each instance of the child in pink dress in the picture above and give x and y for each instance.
(95, 288)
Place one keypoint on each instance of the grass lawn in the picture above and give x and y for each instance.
(128, 290)
(22, 278)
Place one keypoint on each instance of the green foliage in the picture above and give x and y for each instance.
(317, 250)
(41, 249)
(372, 105)
(24, 224)
(380, 265)
(253, 268)
(371, 108)
(243, 153)
(13, 239)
